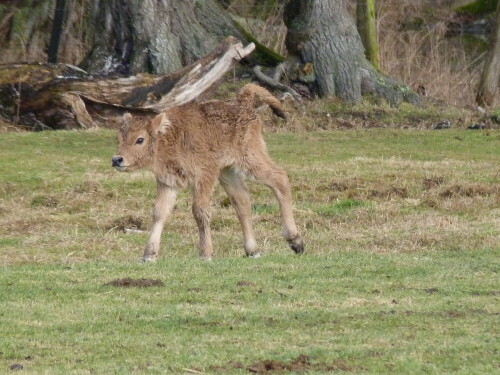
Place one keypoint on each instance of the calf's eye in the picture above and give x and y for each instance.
(139, 141)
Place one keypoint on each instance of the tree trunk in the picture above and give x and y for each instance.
(157, 37)
(488, 86)
(322, 34)
(365, 16)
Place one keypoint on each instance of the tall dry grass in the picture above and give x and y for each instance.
(416, 48)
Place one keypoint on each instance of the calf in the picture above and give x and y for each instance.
(197, 144)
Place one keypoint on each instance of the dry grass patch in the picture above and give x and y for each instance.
(470, 190)
(382, 190)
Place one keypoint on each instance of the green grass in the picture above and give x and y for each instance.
(395, 313)
(400, 273)
(338, 208)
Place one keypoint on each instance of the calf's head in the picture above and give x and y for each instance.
(136, 140)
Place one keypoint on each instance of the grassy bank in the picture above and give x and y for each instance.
(400, 274)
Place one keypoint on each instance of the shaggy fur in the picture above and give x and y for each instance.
(198, 144)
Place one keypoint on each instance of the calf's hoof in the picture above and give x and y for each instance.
(253, 256)
(297, 245)
(148, 259)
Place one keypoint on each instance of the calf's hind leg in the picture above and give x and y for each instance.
(267, 172)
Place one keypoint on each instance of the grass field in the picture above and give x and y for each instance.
(400, 275)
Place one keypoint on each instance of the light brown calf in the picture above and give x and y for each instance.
(197, 144)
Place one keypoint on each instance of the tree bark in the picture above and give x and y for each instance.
(321, 33)
(488, 86)
(157, 37)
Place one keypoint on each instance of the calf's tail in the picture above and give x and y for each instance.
(252, 95)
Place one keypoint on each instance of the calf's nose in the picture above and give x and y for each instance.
(116, 161)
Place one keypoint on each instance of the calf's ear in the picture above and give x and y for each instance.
(161, 123)
(126, 117)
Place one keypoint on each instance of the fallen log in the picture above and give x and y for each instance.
(58, 96)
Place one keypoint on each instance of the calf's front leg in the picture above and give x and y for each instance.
(202, 192)
(164, 204)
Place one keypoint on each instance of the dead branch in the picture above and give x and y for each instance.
(63, 99)
(257, 70)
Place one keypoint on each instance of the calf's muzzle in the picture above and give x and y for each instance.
(116, 161)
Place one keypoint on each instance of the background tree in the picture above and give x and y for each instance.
(322, 33)
(488, 86)
(159, 37)
(441, 62)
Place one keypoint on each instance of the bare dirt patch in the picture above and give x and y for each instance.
(4, 210)
(87, 187)
(431, 182)
(358, 189)
(44, 201)
(128, 282)
(245, 283)
(16, 367)
(301, 364)
(125, 223)
(432, 203)
(471, 190)
(340, 185)
(388, 192)
(431, 290)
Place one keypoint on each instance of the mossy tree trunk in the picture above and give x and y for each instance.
(367, 28)
(321, 33)
(488, 86)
